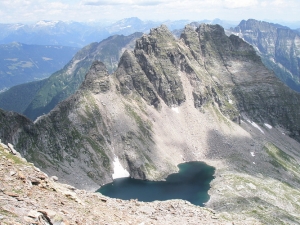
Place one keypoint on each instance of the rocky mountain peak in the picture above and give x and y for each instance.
(157, 42)
(252, 24)
(158, 57)
(191, 39)
(96, 80)
(214, 34)
(211, 28)
(162, 30)
(206, 97)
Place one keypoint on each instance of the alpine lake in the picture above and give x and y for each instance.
(191, 183)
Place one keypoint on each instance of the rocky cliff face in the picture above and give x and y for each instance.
(205, 97)
(279, 47)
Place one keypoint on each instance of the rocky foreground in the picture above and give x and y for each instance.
(29, 196)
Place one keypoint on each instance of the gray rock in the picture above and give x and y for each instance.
(54, 178)
(11, 147)
(33, 214)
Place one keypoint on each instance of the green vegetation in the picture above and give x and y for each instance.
(7, 213)
(19, 97)
(12, 157)
(251, 194)
(98, 148)
(145, 127)
(149, 165)
(282, 159)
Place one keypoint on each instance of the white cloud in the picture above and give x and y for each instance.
(120, 2)
(240, 4)
(278, 2)
(85, 10)
(264, 4)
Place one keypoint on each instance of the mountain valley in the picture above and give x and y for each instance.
(21, 63)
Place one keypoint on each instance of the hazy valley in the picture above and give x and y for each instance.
(21, 63)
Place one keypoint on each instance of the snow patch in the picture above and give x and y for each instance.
(46, 59)
(175, 109)
(252, 153)
(44, 23)
(17, 26)
(119, 171)
(252, 186)
(268, 126)
(72, 67)
(256, 126)
(12, 59)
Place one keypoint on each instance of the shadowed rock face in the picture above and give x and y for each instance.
(172, 101)
(279, 47)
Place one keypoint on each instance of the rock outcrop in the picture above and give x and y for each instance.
(206, 97)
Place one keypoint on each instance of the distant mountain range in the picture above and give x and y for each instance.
(36, 98)
(291, 24)
(21, 63)
(278, 46)
(78, 34)
(42, 96)
(52, 33)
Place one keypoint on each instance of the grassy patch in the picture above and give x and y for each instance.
(220, 116)
(145, 127)
(271, 202)
(12, 157)
(100, 150)
(7, 213)
(282, 159)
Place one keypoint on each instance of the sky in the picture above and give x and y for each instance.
(25, 11)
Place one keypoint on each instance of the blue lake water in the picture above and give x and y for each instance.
(191, 183)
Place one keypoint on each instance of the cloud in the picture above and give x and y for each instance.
(85, 10)
(234, 4)
(120, 2)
